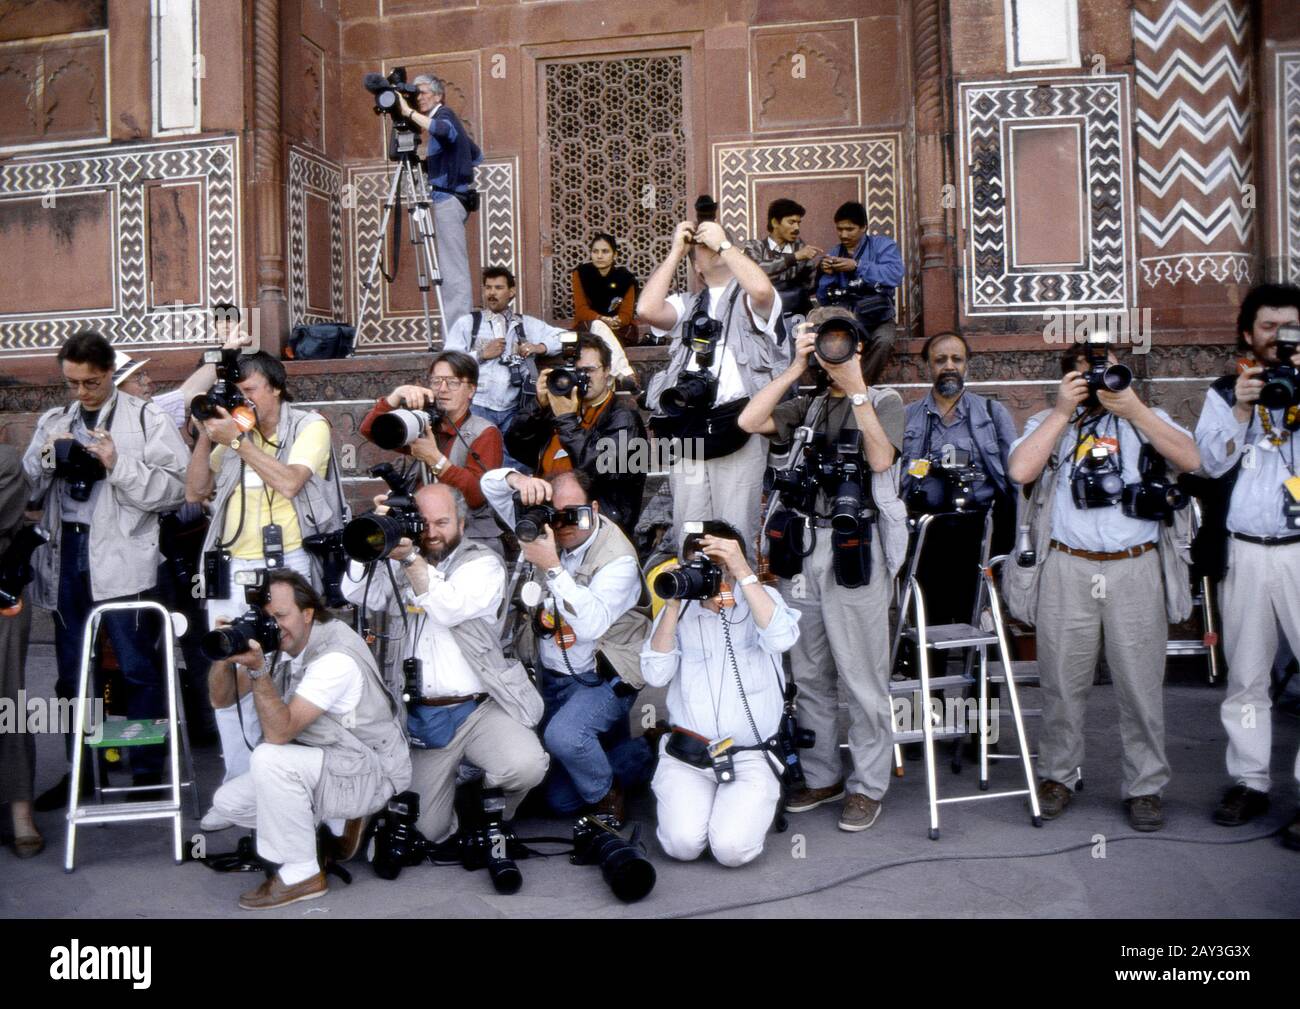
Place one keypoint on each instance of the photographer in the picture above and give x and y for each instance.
(585, 614)
(271, 482)
(450, 162)
(501, 341)
(1096, 573)
(863, 280)
(590, 429)
(955, 449)
(332, 747)
(464, 700)
(106, 463)
(1246, 438)
(457, 446)
(788, 261)
(723, 350)
(840, 494)
(721, 661)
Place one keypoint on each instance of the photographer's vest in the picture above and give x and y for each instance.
(479, 523)
(922, 425)
(319, 506)
(367, 760)
(620, 646)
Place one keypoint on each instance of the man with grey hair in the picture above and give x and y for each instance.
(464, 700)
(451, 158)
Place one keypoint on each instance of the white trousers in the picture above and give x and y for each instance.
(1260, 591)
(275, 797)
(695, 811)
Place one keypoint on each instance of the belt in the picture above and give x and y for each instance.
(1266, 541)
(76, 527)
(1094, 555)
(447, 702)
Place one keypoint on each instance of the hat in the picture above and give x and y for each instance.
(124, 367)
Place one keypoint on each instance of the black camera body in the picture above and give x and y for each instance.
(1155, 498)
(847, 293)
(224, 392)
(254, 624)
(700, 578)
(386, 89)
(328, 548)
(396, 843)
(798, 487)
(623, 863)
(16, 570)
(1101, 374)
(1097, 483)
(695, 391)
(398, 428)
(790, 739)
(77, 468)
(563, 379)
(531, 519)
(1282, 380)
(840, 472)
(372, 537)
(948, 486)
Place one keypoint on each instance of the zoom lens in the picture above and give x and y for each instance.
(835, 343)
(1117, 378)
(371, 537)
(398, 428)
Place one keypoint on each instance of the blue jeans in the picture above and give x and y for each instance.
(585, 729)
(502, 419)
(134, 636)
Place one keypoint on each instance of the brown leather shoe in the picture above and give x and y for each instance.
(804, 799)
(1145, 813)
(860, 812)
(273, 893)
(1053, 797)
(611, 807)
(28, 845)
(345, 847)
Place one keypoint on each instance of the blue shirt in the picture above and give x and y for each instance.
(452, 155)
(879, 262)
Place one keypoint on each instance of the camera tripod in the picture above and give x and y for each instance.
(408, 173)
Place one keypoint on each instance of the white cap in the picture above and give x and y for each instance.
(124, 367)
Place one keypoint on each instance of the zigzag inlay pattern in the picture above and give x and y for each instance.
(309, 172)
(1288, 134)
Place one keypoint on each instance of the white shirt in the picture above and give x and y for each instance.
(494, 389)
(333, 683)
(590, 610)
(787, 248)
(173, 405)
(702, 692)
(730, 385)
(473, 591)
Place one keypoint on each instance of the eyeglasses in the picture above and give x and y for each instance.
(89, 383)
(451, 383)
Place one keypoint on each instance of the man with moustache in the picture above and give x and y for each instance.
(789, 262)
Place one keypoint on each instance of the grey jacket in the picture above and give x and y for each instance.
(148, 478)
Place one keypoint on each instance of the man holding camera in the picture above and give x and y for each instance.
(271, 483)
(585, 613)
(464, 700)
(332, 746)
(104, 467)
(723, 350)
(1246, 438)
(1098, 577)
(450, 162)
(862, 274)
(721, 661)
(841, 494)
(434, 424)
(501, 341)
(579, 422)
(788, 261)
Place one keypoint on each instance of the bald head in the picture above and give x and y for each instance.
(443, 509)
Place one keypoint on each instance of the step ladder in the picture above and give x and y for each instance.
(1203, 599)
(145, 730)
(975, 641)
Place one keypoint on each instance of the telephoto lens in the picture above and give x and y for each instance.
(846, 506)
(398, 428)
(627, 871)
(835, 343)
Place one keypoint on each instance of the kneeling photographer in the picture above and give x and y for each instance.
(1097, 545)
(584, 613)
(332, 747)
(464, 700)
(103, 467)
(717, 646)
(579, 422)
(837, 535)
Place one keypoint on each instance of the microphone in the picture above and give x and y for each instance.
(375, 83)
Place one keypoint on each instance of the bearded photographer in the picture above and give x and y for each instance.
(836, 540)
(583, 615)
(955, 449)
(332, 745)
(464, 700)
(1247, 443)
(1095, 493)
(104, 464)
(717, 783)
(266, 469)
(723, 350)
(433, 424)
(588, 427)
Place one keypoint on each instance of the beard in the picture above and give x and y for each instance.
(949, 384)
(436, 553)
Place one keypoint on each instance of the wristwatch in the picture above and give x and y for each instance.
(723, 247)
(858, 399)
(554, 572)
(234, 445)
(409, 560)
(749, 579)
(441, 465)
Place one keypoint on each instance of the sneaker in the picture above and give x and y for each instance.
(273, 893)
(804, 799)
(212, 820)
(859, 812)
(1240, 805)
(1291, 834)
(1145, 813)
(1053, 797)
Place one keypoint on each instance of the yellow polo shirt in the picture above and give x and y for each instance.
(263, 506)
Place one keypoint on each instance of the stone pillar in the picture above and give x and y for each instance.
(938, 300)
(268, 177)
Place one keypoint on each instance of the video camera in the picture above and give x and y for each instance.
(1155, 498)
(77, 468)
(948, 484)
(531, 519)
(374, 536)
(224, 392)
(255, 624)
(398, 428)
(16, 569)
(1282, 380)
(563, 380)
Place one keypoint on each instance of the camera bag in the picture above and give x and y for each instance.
(851, 556)
(321, 342)
(785, 537)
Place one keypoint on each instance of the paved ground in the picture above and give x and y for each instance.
(988, 862)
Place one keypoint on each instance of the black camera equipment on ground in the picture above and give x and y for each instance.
(398, 428)
(948, 485)
(255, 624)
(623, 862)
(1282, 380)
(77, 468)
(1155, 497)
(566, 377)
(1101, 374)
(1097, 481)
(790, 739)
(328, 547)
(16, 570)
(531, 519)
(372, 537)
(224, 392)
